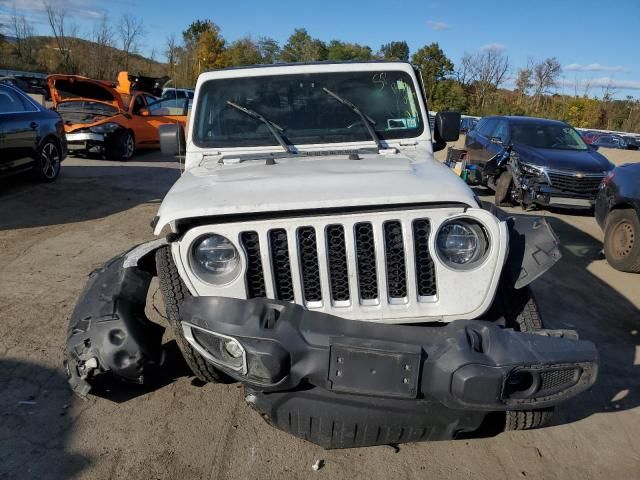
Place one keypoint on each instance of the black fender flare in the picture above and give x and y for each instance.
(108, 329)
(533, 249)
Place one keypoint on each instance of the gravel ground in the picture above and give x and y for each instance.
(52, 236)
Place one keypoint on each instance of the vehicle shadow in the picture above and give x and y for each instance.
(37, 415)
(571, 297)
(85, 190)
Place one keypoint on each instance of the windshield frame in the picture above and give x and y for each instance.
(422, 133)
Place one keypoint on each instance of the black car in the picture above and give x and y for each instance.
(31, 136)
(530, 161)
(618, 214)
(625, 142)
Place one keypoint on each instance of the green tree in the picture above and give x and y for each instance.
(269, 50)
(434, 66)
(301, 47)
(395, 51)
(449, 96)
(243, 52)
(339, 51)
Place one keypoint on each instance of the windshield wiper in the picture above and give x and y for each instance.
(367, 120)
(274, 128)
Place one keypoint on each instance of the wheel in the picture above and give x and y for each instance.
(622, 240)
(504, 186)
(47, 166)
(173, 292)
(121, 146)
(520, 312)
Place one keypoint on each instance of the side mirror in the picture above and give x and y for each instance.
(496, 140)
(447, 127)
(172, 139)
(144, 112)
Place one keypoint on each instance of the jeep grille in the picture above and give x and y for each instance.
(352, 255)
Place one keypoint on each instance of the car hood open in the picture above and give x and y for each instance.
(65, 88)
(310, 183)
(585, 161)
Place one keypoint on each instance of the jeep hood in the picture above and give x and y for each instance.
(65, 88)
(309, 183)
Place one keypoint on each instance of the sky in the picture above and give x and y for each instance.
(597, 42)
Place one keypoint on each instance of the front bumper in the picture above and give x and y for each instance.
(84, 140)
(338, 383)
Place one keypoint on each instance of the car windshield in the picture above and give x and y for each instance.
(554, 136)
(307, 114)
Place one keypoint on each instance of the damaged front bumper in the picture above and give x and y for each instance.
(335, 382)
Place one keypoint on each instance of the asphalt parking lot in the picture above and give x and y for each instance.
(52, 236)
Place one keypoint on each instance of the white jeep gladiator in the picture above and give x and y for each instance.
(317, 253)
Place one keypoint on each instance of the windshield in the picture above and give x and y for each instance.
(555, 136)
(300, 105)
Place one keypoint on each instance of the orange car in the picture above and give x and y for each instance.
(111, 119)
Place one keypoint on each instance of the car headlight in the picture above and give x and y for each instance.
(531, 169)
(462, 243)
(215, 259)
(105, 128)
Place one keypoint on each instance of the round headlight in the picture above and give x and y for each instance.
(215, 260)
(461, 243)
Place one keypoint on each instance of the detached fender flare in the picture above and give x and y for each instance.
(533, 249)
(108, 329)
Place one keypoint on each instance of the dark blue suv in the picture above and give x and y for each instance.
(530, 160)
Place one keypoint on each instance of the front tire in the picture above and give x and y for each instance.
(174, 291)
(47, 167)
(504, 187)
(121, 146)
(622, 240)
(520, 312)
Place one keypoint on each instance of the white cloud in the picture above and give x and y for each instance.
(593, 67)
(601, 82)
(438, 25)
(494, 46)
(35, 10)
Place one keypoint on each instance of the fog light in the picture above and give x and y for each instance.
(233, 348)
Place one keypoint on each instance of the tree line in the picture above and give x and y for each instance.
(476, 86)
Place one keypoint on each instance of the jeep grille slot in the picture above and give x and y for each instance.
(337, 262)
(366, 262)
(394, 261)
(255, 274)
(309, 267)
(281, 265)
(425, 269)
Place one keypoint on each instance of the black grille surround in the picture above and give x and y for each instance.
(342, 265)
(281, 263)
(425, 268)
(575, 182)
(394, 260)
(255, 274)
(309, 267)
(337, 262)
(366, 261)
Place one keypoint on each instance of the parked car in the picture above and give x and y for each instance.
(112, 120)
(31, 136)
(618, 214)
(177, 93)
(589, 137)
(312, 232)
(625, 142)
(467, 123)
(535, 161)
(27, 85)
